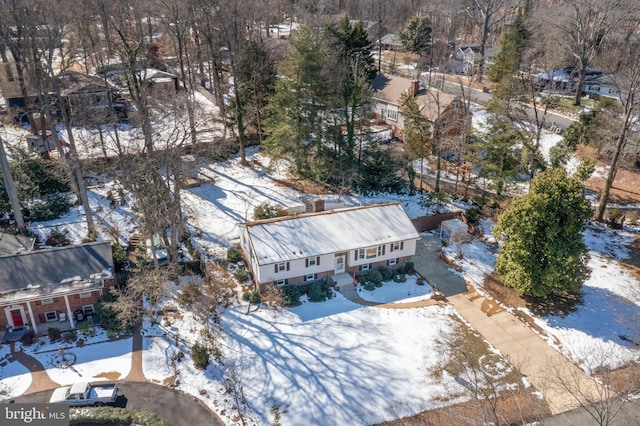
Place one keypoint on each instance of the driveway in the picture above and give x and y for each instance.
(180, 409)
(435, 270)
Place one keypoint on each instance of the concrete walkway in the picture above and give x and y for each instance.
(428, 263)
(136, 374)
(535, 359)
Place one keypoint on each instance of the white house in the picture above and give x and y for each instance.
(328, 244)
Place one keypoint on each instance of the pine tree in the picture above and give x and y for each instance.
(417, 131)
(513, 42)
(541, 247)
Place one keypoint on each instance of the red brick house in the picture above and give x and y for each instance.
(52, 288)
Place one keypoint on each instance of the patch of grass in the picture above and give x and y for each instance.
(111, 376)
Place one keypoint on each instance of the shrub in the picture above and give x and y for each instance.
(108, 318)
(366, 284)
(472, 215)
(27, 338)
(119, 254)
(234, 255)
(200, 356)
(399, 278)
(385, 272)
(291, 294)
(242, 275)
(615, 218)
(51, 207)
(419, 281)
(87, 329)
(409, 267)
(70, 336)
(188, 295)
(54, 334)
(268, 211)
(114, 415)
(252, 296)
(58, 238)
(375, 277)
(319, 291)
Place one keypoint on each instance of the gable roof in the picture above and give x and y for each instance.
(50, 267)
(389, 88)
(333, 231)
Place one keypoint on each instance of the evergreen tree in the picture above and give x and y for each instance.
(416, 36)
(513, 42)
(417, 131)
(497, 154)
(292, 123)
(541, 247)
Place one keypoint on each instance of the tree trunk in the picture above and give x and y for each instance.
(10, 186)
(604, 197)
(581, 73)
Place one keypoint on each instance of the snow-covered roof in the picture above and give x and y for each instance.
(47, 271)
(333, 231)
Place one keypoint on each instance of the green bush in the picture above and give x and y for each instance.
(70, 336)
(114, 415)
(319, 291)
(234, 255)
(399, 278)
(119, 254)
(58, 238)
(472, 215)
(200, 356)
(108, 318)
(409, 267)
(51, 207)
(242, 275)
(375, 277)
(54, 334)
(385, 272)
(252, 296)
(366, 284)
(291, 294)
(268, 211)
(87, 329)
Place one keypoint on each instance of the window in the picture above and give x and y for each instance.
(365, 267)
(380, 250)
(85, 295)
(395, 246)
(50, 316)
(87, 309)
(392, 262)
(361, 254)
(392, 114)
(47, 301)
(282, 282)
(310, 277)
(281, 267)
(312, 261)
(372, 253)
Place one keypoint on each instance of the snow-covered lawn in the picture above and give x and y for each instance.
(98, 359)
(392, 292)
(15, 379)
(605, 328)
(331, 362)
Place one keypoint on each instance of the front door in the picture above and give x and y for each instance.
(339, 268)
(16, 317)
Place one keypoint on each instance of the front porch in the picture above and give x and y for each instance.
(16, 334)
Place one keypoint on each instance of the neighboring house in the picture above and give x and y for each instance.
(335, 244)
(566, 80)
(83, 94)
(161, 84)
(444, 111)
(53, 287)
(390, 42)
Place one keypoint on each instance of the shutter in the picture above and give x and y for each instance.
(275, 268)
(306, 263)
(318, 261)
(355, 255)
(401, 245)
(287, 266)
(391, 247)
(388, 262)
(383, 248)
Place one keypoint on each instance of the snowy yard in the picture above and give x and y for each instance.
(604, 329)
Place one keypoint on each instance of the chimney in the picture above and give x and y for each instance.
(415, 87)
(318, 205)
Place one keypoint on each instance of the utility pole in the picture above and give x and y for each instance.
(11, 187)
